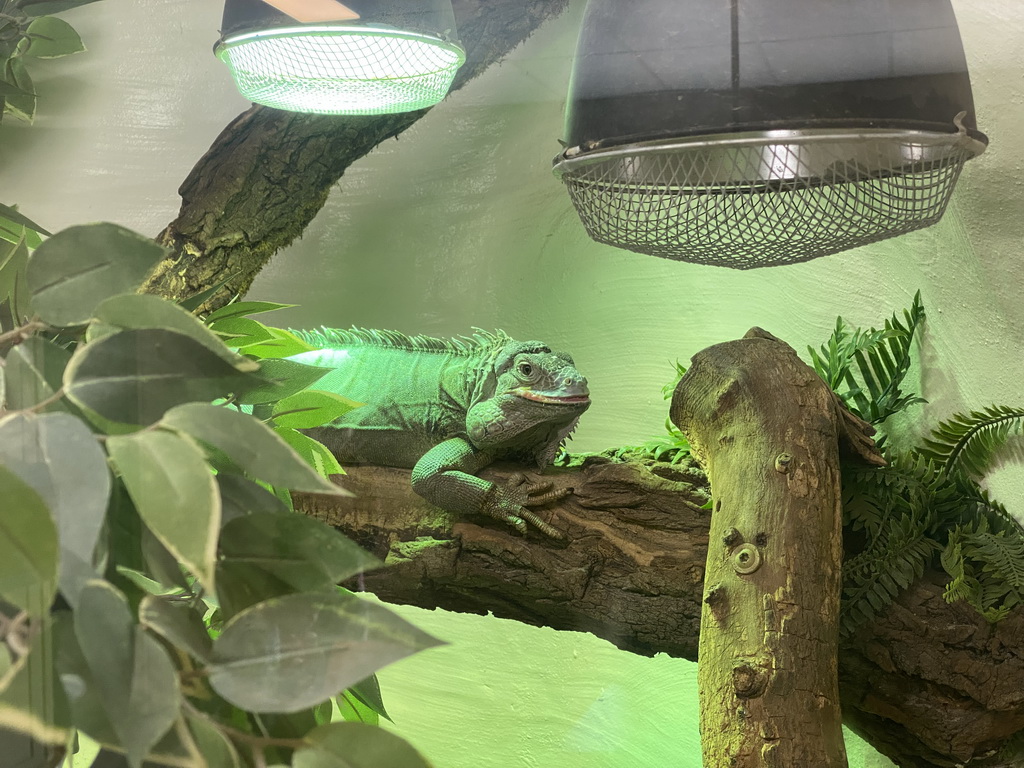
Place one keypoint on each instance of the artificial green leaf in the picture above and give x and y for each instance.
(216, 748)
(354, 711)
(34, 703)
(12, 214)
(34, 370)
(28, 545)
(300, 551)
(240, 496)
(242, 308)
(131, 670)
(241, 585)
(356, 745)
(311, 408)
(314, 452)
(281, 344)
(143, 310)
(60, 458)
(250, 444)
(135, 376)
(196, 300)
(13, 284)
(178, 623)
(368, 692)
(292, 652)
(282, 378)
(160, 563)
(175, 494)
(294, 725)
(44, 7)
(241, 331)
(77, 268)
(21, 104)
(51, 38)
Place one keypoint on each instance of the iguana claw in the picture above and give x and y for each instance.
(511, 501)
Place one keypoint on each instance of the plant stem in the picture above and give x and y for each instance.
(252, 740)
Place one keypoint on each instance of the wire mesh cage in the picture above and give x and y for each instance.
(338, 70)
(769, 199)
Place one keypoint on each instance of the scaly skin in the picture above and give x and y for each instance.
(446, 408)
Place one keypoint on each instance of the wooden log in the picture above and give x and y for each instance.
(927, 683)
(766, 430)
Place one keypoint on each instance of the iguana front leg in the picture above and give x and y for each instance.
(444, 476)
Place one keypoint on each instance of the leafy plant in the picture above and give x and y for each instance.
(872, 389)
(147, 550)
(27, 32)
(927, 499)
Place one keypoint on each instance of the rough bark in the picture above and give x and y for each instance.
(269, 172)
(929, 684)
(766, 428)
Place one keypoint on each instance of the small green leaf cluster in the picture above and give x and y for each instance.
(28, 32)
(148, 554)
(927, 500)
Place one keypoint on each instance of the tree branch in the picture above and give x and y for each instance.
(269, 172)
(927, 683)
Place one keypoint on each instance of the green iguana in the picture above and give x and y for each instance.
(449, 407)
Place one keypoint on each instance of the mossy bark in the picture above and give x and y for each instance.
(766, 430)
(269, 172)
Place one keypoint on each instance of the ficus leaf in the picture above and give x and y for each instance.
(135, 376)
(34, 370)
(28, 546)
(175, 494)
(178, 623)
(132, 671)
(250, 444)
(51, 38)
(292, 652)
(60, 458)
(298, 550)
(74, 270)
(356, 745)
(143, 310)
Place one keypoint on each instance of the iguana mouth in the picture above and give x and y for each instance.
(557, 399)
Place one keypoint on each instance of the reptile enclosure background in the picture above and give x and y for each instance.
(461, 223)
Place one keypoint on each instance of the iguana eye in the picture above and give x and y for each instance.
(525, 369)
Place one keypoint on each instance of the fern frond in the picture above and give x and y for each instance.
(968, 442)
(875, 577)
(866, 368)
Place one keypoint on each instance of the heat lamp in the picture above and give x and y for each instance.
(751, 133)
(360, 57)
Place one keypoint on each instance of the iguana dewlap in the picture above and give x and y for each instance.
(449, 407)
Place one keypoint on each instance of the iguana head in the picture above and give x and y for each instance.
(536, 400)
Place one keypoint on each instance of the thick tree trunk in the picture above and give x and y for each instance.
(929, 684)
(767, 431)
(269, 172)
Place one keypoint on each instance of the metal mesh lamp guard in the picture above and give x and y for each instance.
(398, 56)
(770, 134)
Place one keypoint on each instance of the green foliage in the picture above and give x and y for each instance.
(27, 32)
(872, 389)
(147, 550)
(926, 500)
(970, 442)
